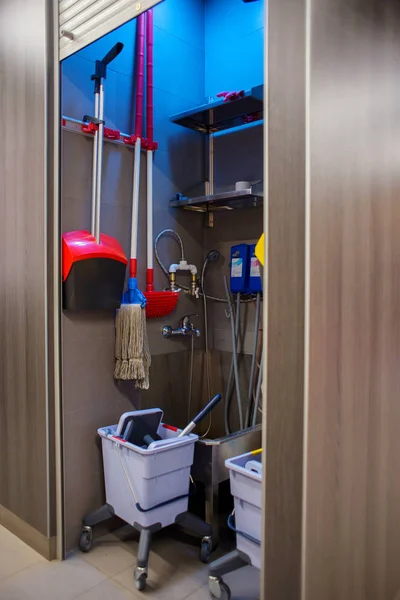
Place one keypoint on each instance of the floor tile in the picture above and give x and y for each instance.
(51, 581)
(111, 555)
(15, 555)
(108, 590)
(174, 570)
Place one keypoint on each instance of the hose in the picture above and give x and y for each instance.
(208, 376)
(229, 386)
(206, 330)
(164, 269)
(234, 353)
(177, 237)
(191, 371)
(258, 392)
(254, 361)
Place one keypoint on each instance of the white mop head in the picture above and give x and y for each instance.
(131, 346)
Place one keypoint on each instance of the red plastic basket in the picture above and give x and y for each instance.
(160, 304)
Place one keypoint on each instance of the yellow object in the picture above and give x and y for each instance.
(260, 250)
(257, 451)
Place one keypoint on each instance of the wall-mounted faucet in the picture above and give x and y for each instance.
(186, 328)
(184, 266)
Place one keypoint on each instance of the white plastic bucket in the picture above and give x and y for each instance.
(245, 478)
(148, 477)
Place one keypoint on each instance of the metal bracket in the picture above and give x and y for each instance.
(209, 219)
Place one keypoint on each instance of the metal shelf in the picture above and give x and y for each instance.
(241, 199)
(220, 115)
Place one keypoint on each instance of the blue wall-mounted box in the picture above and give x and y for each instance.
(255, 280)
(239, 268)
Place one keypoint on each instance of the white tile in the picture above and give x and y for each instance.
(175, 571)
(108, 590)
(15, 555)
(51, 581)
(111, 556)
(202, 594)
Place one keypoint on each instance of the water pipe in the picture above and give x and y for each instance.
(253, 362)
(138, 135)
(151, 146)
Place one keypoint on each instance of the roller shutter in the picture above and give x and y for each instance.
(84, 21)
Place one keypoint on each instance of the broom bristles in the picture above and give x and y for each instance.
(132, 350)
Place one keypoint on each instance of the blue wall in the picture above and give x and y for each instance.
(201, 47)
(234, 41)
(179, 66)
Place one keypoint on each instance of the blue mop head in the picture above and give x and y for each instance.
(133, 295)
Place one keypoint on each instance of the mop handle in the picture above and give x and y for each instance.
(140, 77)
(149, 78)
(113, 53)
(94, 167)
(99, 75)
(201, 415)
(150, 139)
(100, 142)
(138, 133)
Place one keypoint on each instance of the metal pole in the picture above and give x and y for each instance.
(100, 138)
(94, 169)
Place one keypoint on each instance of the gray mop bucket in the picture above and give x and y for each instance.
(246, 475)
(148, 485)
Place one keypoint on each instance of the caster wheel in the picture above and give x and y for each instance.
(140, 580)
(220, 591)
(205, 550)
(86, 541)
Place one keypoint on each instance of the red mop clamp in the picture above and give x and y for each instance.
(90, 124)
(89, 128)
(112, 134)
(130, 140)
(231, 96)
(148, 145)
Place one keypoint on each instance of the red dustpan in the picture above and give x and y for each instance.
(159, 304)
(94, 264)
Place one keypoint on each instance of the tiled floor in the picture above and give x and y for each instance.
(106, 573)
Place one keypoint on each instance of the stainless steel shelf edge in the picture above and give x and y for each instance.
(223, 201)
(220, 115)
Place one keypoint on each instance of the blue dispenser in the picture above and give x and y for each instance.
(255, 281)
(239, 268)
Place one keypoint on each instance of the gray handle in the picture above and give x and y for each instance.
(208, 408)
(200, 416)
(113, 53)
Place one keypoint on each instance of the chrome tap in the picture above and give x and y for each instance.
(186, 328)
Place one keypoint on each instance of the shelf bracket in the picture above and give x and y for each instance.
(209, 219)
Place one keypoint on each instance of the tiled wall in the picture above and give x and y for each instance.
(91, 397)
(234, 45)
(234, 61)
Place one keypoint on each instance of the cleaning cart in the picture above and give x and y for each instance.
(147, 467)
(246, 521)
